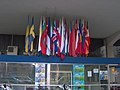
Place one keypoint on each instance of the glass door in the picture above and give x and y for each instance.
(114, 77)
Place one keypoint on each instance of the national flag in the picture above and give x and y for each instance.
(77, 37)
(59, 36)
(70, 35)
(27, 37)
(62, 49)
(72, 42)
(88, 35)
(48, 36)
(80, 38)
(55, 38)
(32, 35)
(51, 32)
(43, 37)
(66, 38)
(40, 34)
(85, 38)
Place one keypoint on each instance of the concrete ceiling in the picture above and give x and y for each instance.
(103, 15)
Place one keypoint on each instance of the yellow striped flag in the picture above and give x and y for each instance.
(40, 34)
(32, 35)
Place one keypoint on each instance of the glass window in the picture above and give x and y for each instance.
(115, 74)
(17, 73)
(91, 74)
(60, 74)
(104, 74)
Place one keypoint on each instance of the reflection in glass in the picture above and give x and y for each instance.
(16, 73)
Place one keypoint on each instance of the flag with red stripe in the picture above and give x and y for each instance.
(43, 37)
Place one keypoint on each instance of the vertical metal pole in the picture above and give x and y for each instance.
(108, 67)
(6, 68)
(25, 87)
(71, 80)
(89, 87)
(48, 75)
(99, 77)
(57, 73)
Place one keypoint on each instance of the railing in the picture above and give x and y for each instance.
(55, 87)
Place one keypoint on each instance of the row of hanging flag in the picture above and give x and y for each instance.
(59, 37)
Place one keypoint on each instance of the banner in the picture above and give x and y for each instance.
(39, 74)
(78, 76)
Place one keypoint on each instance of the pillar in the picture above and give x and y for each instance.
(109, 41)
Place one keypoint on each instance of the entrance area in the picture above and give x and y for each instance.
(22, 76)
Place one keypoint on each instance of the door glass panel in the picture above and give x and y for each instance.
(115, 74)
(103, 74)
(91, 74)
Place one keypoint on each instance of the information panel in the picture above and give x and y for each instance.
(39, 74)
(78, 76)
